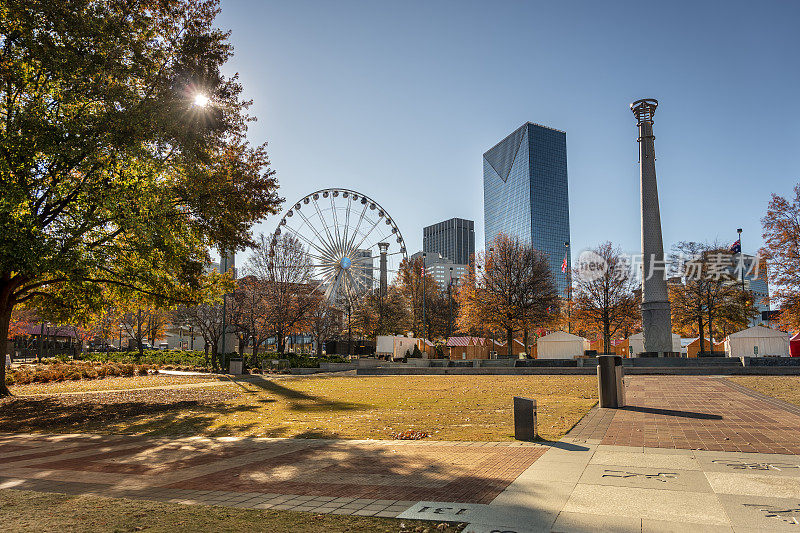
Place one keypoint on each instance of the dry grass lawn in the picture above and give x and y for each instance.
(446, 407)
(41, 512)
(786, 388)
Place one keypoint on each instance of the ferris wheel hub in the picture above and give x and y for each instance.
(345, 262)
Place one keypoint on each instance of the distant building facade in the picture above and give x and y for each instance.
(442, 269)
(454, 239)
(363, 269)
(525, 193)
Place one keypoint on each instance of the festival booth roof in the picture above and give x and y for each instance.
(757, 341)
(560, 345)
(466, 341)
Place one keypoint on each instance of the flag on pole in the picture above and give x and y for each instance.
(564, 264)
(736, 247)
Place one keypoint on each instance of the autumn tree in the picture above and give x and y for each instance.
(375, 314)
(105, 325)
(325, 322)
(705, 292)
(604, 295)
(442, 311)
(418, 288)
(143, 322)
(781, 233)
(115, 172)
(249, 314)
(514, 291)
(284, 269)
(206, 318)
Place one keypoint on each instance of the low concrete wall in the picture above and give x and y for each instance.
(772, 361)
(590, 371)
(304, 371)
(337, 367)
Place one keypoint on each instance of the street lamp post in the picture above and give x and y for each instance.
(450, 301)
(191, 334)
(741, 267)
(119, 348)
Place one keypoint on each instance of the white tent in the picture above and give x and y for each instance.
(757, 341)
(636, 344)
(560, 345)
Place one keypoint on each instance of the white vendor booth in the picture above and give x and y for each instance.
(636, 344)
(560, 345)
(757, 341)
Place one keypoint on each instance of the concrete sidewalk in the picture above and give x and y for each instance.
(593, 487)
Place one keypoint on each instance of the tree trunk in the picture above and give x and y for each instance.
(700, 329)
(255, 354)
(606, 337)
(215, 363)
(6, 306)
(710, 329)
(281, 343)
(319, 346)
(510, 340)
(525, 341)
(139, 334)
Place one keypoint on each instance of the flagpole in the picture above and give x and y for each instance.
(569, 288)
(741, 267)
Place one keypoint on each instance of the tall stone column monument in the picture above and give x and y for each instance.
(656, 321)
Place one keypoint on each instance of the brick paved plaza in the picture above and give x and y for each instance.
(686, 453)
(699, 413)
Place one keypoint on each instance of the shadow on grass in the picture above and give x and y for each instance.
(183, 417)
(298, 400)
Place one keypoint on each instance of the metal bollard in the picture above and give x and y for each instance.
(524, 419)
(610, 384)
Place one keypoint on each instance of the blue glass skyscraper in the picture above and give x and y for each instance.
(525, 192)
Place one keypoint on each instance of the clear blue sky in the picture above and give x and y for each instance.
(399, 100)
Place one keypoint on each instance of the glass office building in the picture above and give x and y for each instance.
(525, 192)
(453, 239)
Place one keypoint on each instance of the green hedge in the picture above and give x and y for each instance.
(197, 359)
(152, 357)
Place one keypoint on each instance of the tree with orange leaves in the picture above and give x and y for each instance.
(781, 233)
(513, 291)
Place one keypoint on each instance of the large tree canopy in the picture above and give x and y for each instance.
(111, 172)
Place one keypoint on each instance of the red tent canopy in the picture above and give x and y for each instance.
(794, 346)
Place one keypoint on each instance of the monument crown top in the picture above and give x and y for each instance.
(644, 109)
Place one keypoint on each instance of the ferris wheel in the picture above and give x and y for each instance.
(352, 245)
